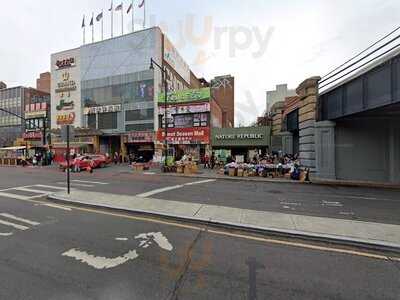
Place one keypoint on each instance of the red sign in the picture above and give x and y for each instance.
(139, 137)
(191, 135)
(32, 135)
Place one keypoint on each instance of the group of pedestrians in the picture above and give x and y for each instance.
(209, 162)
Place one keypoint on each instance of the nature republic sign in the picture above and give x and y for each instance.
(185, 96)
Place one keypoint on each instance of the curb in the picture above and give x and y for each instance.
(313, 182)
(375, 245)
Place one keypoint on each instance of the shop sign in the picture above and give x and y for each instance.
(36, 110)
(102, 109)
(241, 136)
(67, 85)
(65, 63)
(66, 119)
(185, 109)
(139, 137)
(185, 135)
(186, 96)
(32, 135)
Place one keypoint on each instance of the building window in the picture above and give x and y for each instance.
(108, 120)
(92, 121)
(139, 114)
(139, 127)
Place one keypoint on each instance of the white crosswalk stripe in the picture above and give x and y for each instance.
(9, 216)
(8, 223)
(42, 190)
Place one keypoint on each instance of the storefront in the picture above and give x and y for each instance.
(240, 143)
(84, 141)
(186, 141)
(140, 144)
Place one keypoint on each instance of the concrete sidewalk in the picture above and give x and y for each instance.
(376, 235)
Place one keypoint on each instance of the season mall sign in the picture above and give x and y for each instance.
(185, 135)
(185, 96)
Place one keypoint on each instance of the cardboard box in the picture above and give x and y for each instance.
(240, 172)
(232, 172)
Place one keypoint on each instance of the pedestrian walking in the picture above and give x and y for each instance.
(206, 161)
(212, 161)
(116, 158)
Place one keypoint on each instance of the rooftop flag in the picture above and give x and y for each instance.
(83, 22)
(111, 7)
(142, 4)
(91, 21)
(99, 17)
(119, 7)
(129, 8)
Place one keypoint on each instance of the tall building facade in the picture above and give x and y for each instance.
(223, 92)
(108, 90)
(280, 93)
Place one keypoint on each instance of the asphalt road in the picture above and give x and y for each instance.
(75, 253)
(49, 251)
(366, 204)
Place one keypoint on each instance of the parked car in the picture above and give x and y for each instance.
(100, 160)
(78, 164)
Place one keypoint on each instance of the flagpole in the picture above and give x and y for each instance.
(92, 27)
(84, 30)
(112, 19)
(122, 20)
(102, 23)
(133, 18)
(144, 15)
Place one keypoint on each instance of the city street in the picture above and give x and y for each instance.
(52, 251)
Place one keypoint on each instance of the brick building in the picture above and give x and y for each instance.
(43, 82)
(223, 92)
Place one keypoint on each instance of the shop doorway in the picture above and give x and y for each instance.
(110, 144)
(146, 151)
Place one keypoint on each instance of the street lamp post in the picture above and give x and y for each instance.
(164, 80)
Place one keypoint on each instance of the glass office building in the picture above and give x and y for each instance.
(11, 127)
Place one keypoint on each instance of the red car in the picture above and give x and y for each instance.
(99, 160)
(80, 163)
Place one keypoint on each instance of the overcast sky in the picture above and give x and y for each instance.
(261, 42)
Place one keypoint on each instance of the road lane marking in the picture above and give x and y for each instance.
(158, 191)
(14, 196)
(6, 234)
(12, 217)
(26, 189)
(57, 206)
(101, 262)
(52, 187)
(76, 184)
(92, 182)
(200, 182)
(174, 187)
(16, 226)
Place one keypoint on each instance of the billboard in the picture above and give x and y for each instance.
(185, 96)
(66, 89)
(185, 109)
(175, 60)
